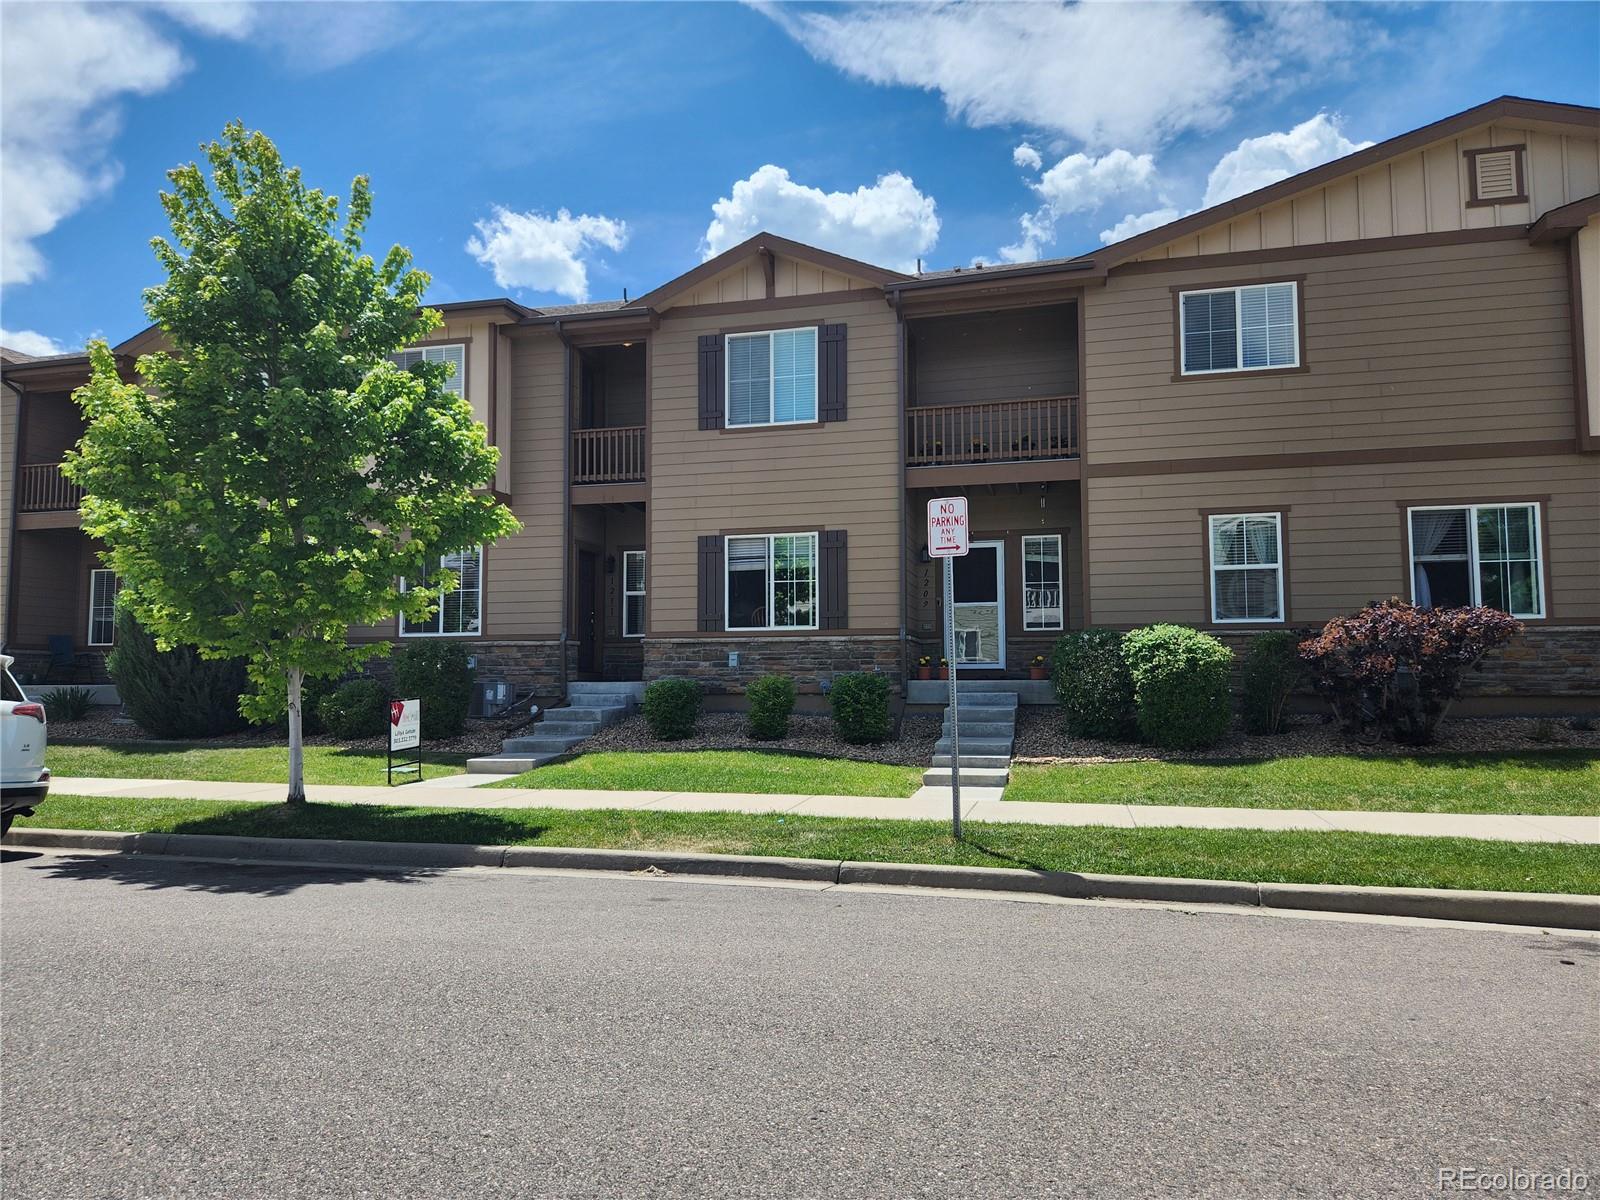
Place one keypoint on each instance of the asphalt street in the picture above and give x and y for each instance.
(192, 1030)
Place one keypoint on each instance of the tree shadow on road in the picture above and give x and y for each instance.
(157, 873)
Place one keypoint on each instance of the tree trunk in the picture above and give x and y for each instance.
(297, 774)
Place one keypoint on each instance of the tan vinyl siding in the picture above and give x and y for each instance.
(747, 280)
(1424, 191)
(1344, 534)
(995, 356)
(1420, 347)
(843, 475)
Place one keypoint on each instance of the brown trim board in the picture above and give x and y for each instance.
(1039, 470)
(1244, 258)
(774, 304)
(1334, 458)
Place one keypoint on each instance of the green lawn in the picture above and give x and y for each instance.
(1348, 858)
(1535, 782)
(248, 764)
(722, 771)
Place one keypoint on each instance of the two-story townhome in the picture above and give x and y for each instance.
(1375, 378)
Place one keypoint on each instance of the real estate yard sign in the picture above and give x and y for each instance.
(948, 538)
(405, 734)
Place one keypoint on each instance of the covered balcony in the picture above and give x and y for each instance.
(608, 422)
(42, 488)
(993, 396)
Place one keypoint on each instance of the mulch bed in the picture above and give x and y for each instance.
(808, 734)
(1041, 738)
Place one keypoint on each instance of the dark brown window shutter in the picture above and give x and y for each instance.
(711, 389)
(835, 577)
(712, 587)
(831, 373)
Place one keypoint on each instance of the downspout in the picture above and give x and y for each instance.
(900, 488)
(566, 496)
(11, 518)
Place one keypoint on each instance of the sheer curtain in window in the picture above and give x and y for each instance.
(1434, 533)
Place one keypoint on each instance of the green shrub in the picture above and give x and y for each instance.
(1093, 685)
(68, 704)
(1180, 685)
(437, 674)
(358, 709)
(671, 708)
(1271, 669)
(771, 702)
(174, 693)
(860, 707)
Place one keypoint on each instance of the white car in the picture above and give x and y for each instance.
(24, 779)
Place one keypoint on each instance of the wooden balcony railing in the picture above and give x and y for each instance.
(41, 487)
(942, 435)
(608, 455)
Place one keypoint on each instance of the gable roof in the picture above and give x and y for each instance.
(1501, 108)
(774, 244)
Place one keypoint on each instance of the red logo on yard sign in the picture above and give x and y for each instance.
(396, 709)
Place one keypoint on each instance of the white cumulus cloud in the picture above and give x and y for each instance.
(1078, 183)
(26, 341)
(890, 223)
(1258, 161)
(1026, 156)
(1101, 74)
(544, 253)
(1253, 163)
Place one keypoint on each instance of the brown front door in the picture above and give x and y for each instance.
(588, 613)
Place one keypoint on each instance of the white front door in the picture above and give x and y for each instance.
(981, 606)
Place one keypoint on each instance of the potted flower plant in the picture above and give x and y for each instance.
(1038, 668)
(944, 668)
(924, 667)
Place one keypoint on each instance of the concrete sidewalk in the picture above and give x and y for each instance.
(929, 803)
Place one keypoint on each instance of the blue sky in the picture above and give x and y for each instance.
(555, 152)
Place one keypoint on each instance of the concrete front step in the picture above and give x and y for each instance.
(506, 764)
(982, 729)
(937, 691)
(975, 745)
(1008, 715)
(584, 691)
(984, 699)
(940, 777)
(971, 761)
(542, 743)
(572, 715)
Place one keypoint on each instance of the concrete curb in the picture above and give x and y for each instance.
(1542, 909)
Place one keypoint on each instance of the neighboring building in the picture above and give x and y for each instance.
(1375, 378)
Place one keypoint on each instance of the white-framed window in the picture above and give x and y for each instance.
(103, 588)
(633, 593)
(1467, 554)
(1253, 328)
(1246, 567)
(460, 613)
(772, 581)
(454, 354)
(772, 377)
(1043, 603)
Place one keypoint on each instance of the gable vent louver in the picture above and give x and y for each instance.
(1497, 176)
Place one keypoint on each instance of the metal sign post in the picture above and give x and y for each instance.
(948, 539)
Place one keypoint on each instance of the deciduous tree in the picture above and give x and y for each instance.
(270, 478)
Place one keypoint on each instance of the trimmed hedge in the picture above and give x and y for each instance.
(671, 708)
(437, 674)
(860, 707)
(1093, 684)
(358, 709)
(1180, 685)
(174, 693)
(1271, 669)
(771, 701)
